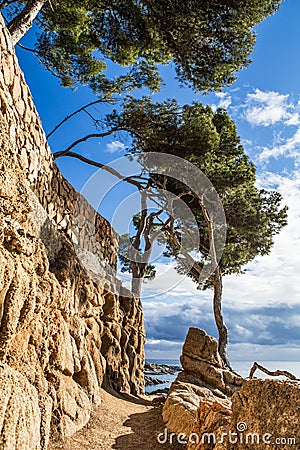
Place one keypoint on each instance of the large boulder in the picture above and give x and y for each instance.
(201, 347)
(264, 414)
(202, 391)
(209, 407)
(200, 357)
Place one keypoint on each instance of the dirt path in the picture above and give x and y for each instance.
(118, 423)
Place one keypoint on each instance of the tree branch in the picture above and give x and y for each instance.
(83, 139)
(272, 374)
(143, 221)
(102, 166)
(79, 110)
(20, 24)
(27, 48)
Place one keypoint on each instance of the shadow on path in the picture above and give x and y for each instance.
(130, 398)
(145, 427)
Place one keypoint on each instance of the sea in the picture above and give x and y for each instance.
(242, 367)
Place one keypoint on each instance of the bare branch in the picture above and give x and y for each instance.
(79, 110)
(83, 139)
(51, 6)
(277, 373)
(32, 50)
(104, 167)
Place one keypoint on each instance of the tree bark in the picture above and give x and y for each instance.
(139, 268)
(222, 329)
(138, 275)
(218, 290)
(19, 26)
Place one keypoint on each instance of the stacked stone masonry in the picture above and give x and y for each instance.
(63, 332)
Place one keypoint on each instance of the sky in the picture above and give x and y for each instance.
(262, 306)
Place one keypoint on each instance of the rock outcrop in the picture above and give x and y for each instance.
(209, 407)
(200, 357)
(266, 414)
(203, 388)
(64, 332)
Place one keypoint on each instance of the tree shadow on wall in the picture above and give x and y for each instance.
(145, 429)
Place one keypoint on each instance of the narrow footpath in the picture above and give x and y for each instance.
(121, 423)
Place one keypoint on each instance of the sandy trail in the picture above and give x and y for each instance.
(120, 423)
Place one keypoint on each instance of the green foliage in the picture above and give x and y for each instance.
(208, 41)
(209, 140)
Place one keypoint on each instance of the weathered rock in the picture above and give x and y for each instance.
(184, 398)
(150, 381)
(24, 423)
(160, 369)
(200, 357)
(213, 417)
(266, 413)
(200, 397)
(199, 346)
(75, 405)
(234, 414)
(207, 372)
(64, 333)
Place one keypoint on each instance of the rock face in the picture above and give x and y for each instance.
(200, 357)
(216, 409)
(64, 332)
(267, 414)
(202, 391)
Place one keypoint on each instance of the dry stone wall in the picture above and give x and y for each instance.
(63, 332)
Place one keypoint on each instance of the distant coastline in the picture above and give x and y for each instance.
(242, 367)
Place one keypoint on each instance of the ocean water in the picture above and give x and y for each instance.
(242, 367)
(166, 380)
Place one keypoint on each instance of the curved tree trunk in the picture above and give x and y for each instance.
(19, 26)
(222, 329)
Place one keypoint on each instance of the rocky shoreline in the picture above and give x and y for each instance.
(159, 369)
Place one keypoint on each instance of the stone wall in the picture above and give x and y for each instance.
(64, 332)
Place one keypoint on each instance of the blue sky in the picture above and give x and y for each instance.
(261, 307)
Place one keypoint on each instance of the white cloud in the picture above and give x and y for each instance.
(273, 279)
(115, 147)
(293, 120)
(247, 142)
(290, 148)
(268, 108)
(225, 100)
(260, 306)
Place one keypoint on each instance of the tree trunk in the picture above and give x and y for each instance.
(138, 275)
(222, 329)
(218, 290)
(19, 26)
